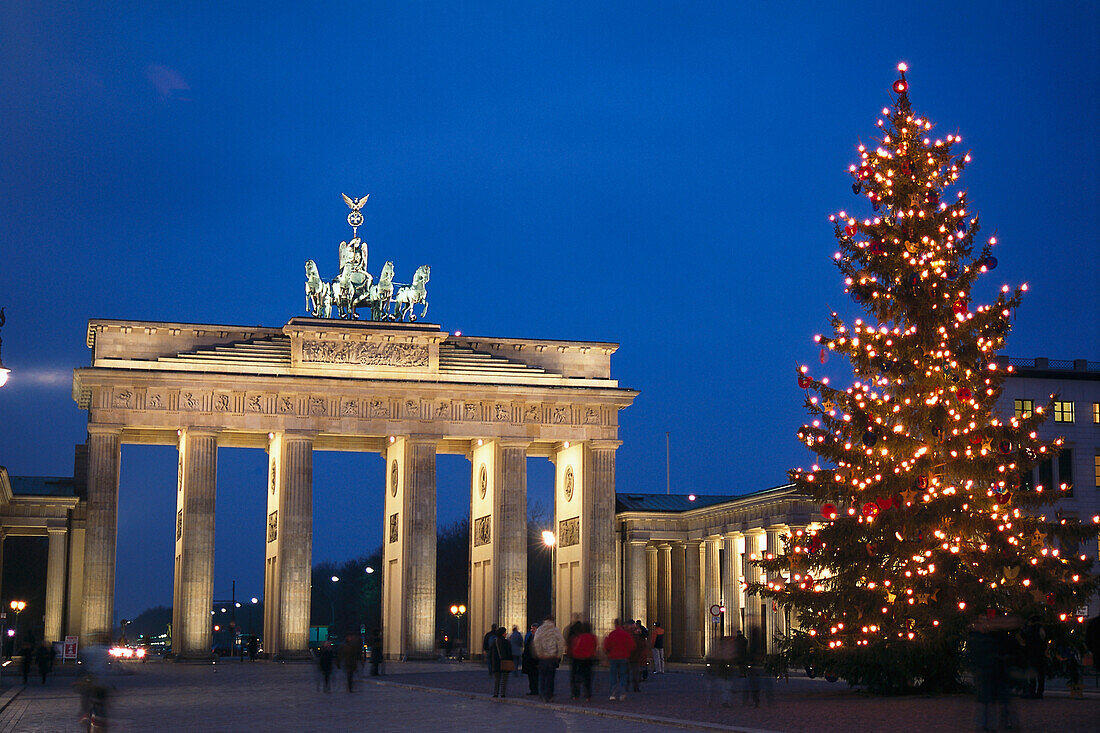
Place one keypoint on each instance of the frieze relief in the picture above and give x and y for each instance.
(483, 532)
(532, 413)
(273, 526)
(569, 532)
(367, 353)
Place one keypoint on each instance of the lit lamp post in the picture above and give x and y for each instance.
(18, 607)
(331, 601)
(457, 611)
(255, 600)
(4, 371)
(551, 542)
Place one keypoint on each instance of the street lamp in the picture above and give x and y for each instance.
(369, 570)
(255, 600)
(18, 607)
(331, 602)
(551, 542)
(457, 611)
(4, 371)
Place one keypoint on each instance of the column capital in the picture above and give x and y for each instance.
(604, 444)
(104, 429)
(633, 541)
(62, 530)
(299, 435)
(513, 442)
(421, 438)
(650, 548)
(736, 535)
(693, 542)
(198, 432)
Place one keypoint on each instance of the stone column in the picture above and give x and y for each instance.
(511, 549)
(664, 592)
(712, 590)
(771, 612)
(598, 567)
(693, 598)
(193, 596)
(652, 591)
(408, 582)
(55, 583)
(287, 573)
(3, 535)
(636, 579)
(680, 647)
(104, 457)
(731, 587)
(753, 618)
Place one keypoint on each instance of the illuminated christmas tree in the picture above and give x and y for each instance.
(928, 517)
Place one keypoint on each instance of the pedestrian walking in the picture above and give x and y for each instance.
(549, 647)
(44, 658)
(618, 646)
(26, 659)
(515, 640)
(531, 661)
(639, 655)
(649, 648)
(486, 644)
(348, 658)
(990, 648)
(719, 671)
(1092, 642)
(375, 653)
(1035, 658)
(253, 647)
(658, 648)
(582, 656)
(325, 658)
(500, 660)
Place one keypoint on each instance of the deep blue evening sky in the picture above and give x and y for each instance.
(659, 175)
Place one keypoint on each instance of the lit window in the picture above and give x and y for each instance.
(1023, 408)
(1096, 413)
(1098, 470)
(1063, 411)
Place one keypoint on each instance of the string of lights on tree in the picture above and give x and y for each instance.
(927, 520)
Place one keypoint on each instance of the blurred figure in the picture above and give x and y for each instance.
(348, 658)
(1092, 641)
(582, 656)
(325, 657)
(92, 687)
(253, 647)
(649, 651)
(990, 647)
(618, 645)
(719, 671)
(375, 653)
(515, 640)
(1035, 658)
(500, 661)
(487, 644)
(26, 658)
(531, 661)
(658, 648)
(44, 659)
(639, 655)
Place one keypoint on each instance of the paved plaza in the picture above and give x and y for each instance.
(274, 697)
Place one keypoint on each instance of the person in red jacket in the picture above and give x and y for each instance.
(618, 645)
(582, 655)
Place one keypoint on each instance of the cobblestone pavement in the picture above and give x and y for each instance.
(273, 697)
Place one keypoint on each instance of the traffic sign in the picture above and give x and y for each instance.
(715, 610)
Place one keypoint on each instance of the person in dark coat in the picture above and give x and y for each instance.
(487, 645)
(1035, 658)
(27, 655)
(44, 658)
(325, 657)
(253, 647)
(531, 661)
(375, 653)
(348, 657)
(500, 658)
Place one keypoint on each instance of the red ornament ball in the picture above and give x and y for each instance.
(864, 172)
(876, 247)
(805, 381)
(959, 307)
(884, 502)
(850, 230)
(901, 86)
(975, 438)
(963, 395)
(870, 509)
(829, 511)
(1005, 446)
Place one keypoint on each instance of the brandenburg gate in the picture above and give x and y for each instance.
(404, 389)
